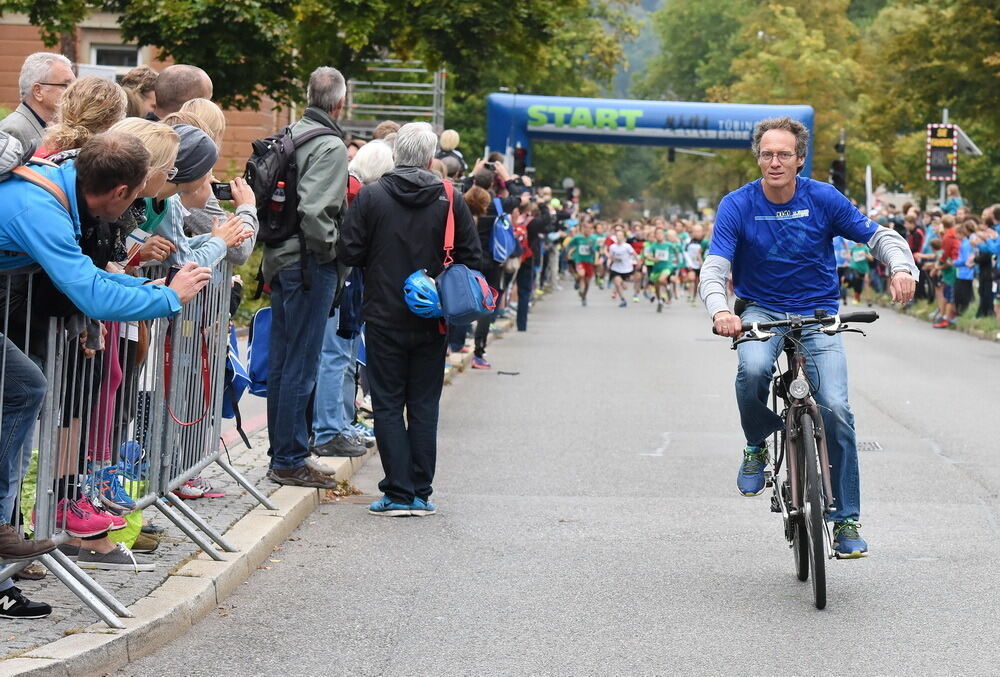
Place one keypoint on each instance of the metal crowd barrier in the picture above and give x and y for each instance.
(134, 406)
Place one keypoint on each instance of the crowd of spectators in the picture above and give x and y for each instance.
(80, 177)
(91, 167)
(957, 251)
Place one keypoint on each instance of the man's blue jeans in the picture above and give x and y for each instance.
(826, 366)
(23, 392)
(298, 321)
(333, 410)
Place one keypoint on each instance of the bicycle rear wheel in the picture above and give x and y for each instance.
(812, 490)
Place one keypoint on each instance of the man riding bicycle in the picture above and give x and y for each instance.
(775, 235)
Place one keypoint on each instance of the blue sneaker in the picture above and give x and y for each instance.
(750, 480)
(105, 487)
(421, 507)
(387, 508)
(847, 542)
(364, 433)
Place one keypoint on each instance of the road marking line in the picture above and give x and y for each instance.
(660, 449)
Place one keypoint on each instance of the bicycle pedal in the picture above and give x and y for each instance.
(775, 506)
(768, 478)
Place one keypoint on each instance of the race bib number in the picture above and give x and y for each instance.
(584, 250)
(663, 255)
(858, 255)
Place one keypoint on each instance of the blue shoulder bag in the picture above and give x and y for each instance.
(465, 294)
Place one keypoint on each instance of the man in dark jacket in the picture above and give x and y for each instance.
(394, 227)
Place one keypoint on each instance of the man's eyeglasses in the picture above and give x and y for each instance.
(767, 155)
(56, 84)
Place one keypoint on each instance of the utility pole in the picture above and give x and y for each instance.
(944, 120)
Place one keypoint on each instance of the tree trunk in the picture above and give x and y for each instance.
(68, 45)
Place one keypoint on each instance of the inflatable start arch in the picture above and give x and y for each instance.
(515, 120)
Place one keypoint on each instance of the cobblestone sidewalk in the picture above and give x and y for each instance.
(70, 615)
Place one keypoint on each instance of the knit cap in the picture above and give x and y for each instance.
(196, 155)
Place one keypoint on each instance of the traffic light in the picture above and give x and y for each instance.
(838, 168)
(520, 160)
(838, 175)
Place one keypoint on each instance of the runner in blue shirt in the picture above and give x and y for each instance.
(775, 235)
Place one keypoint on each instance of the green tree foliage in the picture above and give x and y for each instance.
(242, 45)
(579, 60)
(698, 42)
(799, 53)
(256, 48)
(924, 57)
(880, 69)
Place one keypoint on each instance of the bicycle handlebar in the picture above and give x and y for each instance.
(865, 316)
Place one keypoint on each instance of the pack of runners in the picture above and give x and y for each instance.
(656, 259)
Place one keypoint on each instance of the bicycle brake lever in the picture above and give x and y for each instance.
(753, 335)
(842, 329)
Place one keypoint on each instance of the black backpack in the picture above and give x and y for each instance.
(273, 160)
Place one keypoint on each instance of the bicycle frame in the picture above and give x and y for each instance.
(794, 407)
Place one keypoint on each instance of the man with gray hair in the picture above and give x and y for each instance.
(303, 274)
(44, 77)
(396, 226)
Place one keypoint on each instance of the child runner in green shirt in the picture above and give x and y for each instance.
(582, 251)
(663, 254)
(860, 256)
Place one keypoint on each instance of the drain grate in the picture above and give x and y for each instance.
(869, 445)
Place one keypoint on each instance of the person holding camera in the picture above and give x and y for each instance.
(190, 188)
(209, 118)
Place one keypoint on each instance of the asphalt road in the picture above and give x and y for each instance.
(589, 525)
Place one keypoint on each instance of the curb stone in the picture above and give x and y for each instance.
(197, 587)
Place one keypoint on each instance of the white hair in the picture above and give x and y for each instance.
(415, 145)
(371, 161)
(326, 89)
(36, 69)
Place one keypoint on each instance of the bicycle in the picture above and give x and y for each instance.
(804, 496)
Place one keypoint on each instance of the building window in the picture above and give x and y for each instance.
(120, 57)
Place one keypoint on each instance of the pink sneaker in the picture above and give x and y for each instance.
(87, 506)
(78, 522)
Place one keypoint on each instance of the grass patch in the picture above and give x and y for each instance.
(248, 273)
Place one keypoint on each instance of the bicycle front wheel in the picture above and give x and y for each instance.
(812, 492)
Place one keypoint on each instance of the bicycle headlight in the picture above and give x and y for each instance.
(799, 388)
